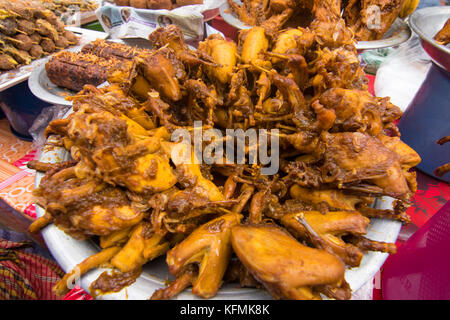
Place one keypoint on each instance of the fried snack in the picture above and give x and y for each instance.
(330, 227)
(209, 246)
(69, 70)
(223, 53)
(370, 20)
(90, 263)
(136, 182)
(269, 253)
(29, 30)
(7, 62)
(139, 249)
(443, 36)
(271, 15)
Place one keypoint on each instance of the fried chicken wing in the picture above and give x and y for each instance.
(330, 227)
(209, 246)
(443, 36)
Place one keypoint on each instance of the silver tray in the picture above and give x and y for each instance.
(41, 86)
(398, 33)
(426, 22)
(12, 77)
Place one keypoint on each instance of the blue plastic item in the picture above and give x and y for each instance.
(427, 119)
(21, 108)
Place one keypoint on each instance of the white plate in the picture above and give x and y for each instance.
(41, 86)
(70, 252)
(398, 33)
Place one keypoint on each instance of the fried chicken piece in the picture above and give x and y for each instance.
(293, 40)
(142, 246)
(173, 38)
(209, 247)
(443, 36)
(223, 53)
(408, 158)
(253, 43)
(286, 268)
(160, 74)
(189, 171)
(356, 110)
(119, 150)
(337, 68)
(370, 19)
(83, 207)
(330, 227)
(352, 157)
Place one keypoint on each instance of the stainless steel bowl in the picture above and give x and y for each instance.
(426, 23)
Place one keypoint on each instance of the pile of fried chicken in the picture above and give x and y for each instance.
(368, 19)
(293, 233)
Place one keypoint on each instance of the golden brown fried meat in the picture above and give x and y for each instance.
(270, 253)
(443, 36)
(209, 246)
(370, 19)
(330, 227)
(142, 193)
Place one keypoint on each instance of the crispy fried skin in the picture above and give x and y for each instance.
(209, 246)
(286, 268)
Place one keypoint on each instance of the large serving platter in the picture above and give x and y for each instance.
(69, 252)
(398, 33)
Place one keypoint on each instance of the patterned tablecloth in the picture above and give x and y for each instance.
(16, 181)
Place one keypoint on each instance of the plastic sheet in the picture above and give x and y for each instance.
(41, 122)
(402, 72)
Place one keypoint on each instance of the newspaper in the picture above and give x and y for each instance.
(127, 22)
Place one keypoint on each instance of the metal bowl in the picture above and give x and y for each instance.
(426, 23)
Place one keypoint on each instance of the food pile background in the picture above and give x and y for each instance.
(369, 20)
(28, 31)
(125, 189)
